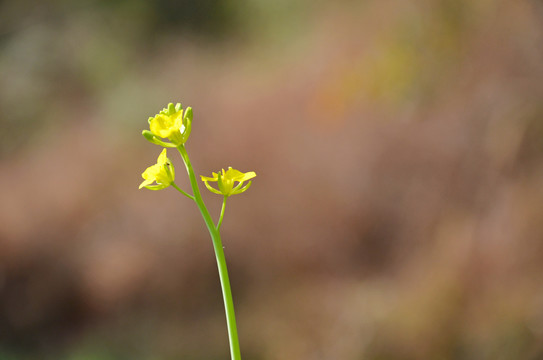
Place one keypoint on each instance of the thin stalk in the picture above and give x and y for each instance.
(235, 353)
(222, 213)
(182, 192)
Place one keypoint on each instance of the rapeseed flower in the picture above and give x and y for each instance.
(163, 173)
(171, 123)
(226, 181)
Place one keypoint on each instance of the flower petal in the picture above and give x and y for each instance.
(163, 158)
(214, 178)
(145, 183)
(151, 172)
(237, 175)
(246, 176)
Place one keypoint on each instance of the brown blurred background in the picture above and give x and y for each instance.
(398, 208)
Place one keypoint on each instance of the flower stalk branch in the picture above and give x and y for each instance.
(182, 192)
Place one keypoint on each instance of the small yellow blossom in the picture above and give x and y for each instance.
(163, 173)
(226, 181)
(171, 123)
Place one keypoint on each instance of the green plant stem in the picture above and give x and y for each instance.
(221, 260)
(182, 192)
(222, 213)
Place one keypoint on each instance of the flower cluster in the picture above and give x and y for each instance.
(169, 128)
(175, 124)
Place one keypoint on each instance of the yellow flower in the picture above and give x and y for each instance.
(226, 181)
(171, 123)
(163, 173)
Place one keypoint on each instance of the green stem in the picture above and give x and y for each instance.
(182, 192)
(222, 212)
(235, 353)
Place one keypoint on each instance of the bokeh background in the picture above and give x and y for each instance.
(398, 208)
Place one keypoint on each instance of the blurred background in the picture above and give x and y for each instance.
(398, 208)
